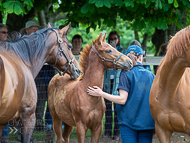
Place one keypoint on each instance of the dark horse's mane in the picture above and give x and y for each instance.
(27, 47)
(84, 57)
(180, 42)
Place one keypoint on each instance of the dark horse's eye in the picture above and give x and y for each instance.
(108, 51)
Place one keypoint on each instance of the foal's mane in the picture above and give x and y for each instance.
(179, 43)
(84, 58)
(27, 47)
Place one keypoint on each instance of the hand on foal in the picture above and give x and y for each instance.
(94, 91)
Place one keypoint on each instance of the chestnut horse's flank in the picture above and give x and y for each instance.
(170, 92)
(68, 100)
(20, 61)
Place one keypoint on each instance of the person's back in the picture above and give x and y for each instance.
(138, 116)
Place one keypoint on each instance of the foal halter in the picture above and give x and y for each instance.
(59, 53)
(106, 60)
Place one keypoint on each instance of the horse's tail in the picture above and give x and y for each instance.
(2, 78)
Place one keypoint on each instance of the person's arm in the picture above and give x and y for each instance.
(121, 99)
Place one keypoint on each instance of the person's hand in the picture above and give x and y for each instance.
(94, 91)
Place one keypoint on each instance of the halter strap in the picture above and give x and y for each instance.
(107, 60)
(59, 53)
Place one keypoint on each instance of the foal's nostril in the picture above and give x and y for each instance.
(79, 72)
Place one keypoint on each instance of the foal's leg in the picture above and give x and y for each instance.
(67, 131)
(163, 135)
(96, 134)
(57, 126)
(81, 130)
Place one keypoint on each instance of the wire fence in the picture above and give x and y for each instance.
(43, 131)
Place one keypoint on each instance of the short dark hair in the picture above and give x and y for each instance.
(2, 25)
(77, 36)
(114, 33)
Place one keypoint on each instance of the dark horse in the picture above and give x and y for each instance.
(170, 92)
(20, 62)
(68, 99)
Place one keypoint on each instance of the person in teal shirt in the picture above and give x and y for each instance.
(133, 111)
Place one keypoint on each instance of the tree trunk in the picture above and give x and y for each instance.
(171, 31)
(16, 22)
(136, 35)
(158, 38)
(41, 18)
(144, 42)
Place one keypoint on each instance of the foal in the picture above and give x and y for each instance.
(68, 100)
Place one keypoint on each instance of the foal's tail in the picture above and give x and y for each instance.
(2, 78)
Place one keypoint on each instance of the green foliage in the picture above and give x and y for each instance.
(16, 6)
(107, 3)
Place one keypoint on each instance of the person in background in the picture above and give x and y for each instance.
(30, 27)
(162, 52)
(77, 42)
(3, 37)
(134, 116)
(110, 78)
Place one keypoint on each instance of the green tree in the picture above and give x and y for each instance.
(140, 15)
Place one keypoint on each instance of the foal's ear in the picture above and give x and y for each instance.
(65, 29)
(100, 38)
(104, 37)
(49, 25)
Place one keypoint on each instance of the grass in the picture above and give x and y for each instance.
(41, 135)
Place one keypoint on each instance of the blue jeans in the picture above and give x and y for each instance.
(5, 131)
(129, 135)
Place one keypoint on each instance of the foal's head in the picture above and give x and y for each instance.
(109, 56)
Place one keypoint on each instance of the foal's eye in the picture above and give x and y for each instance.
(108, 51)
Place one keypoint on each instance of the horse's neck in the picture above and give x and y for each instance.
(172, 71)
(35, 69)
(41, 59)
(94, 74)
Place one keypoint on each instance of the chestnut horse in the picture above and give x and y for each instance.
(68, 99)
(20, 62)
(170, 92)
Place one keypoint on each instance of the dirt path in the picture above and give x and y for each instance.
(176, 138)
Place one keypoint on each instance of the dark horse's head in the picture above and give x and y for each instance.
(61, 57)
